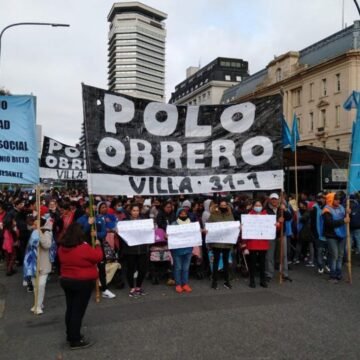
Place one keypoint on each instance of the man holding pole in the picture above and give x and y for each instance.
(282, 214)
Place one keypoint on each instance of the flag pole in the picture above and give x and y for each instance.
(36, 292)
(281, 238)
(91, 198)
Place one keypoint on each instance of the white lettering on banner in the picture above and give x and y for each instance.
(225, 232)
(193, 156)
(72, 152)
(238, 118)
(137, 232)
(223, 148)
(184, 235)
(118, 110)
(258, 227)
(262, 158)
(151, 185)
(162, 119)
(160, 128)
(111, 151)
(54, 146)
(170, 150)
(144, 154)
(192, 129)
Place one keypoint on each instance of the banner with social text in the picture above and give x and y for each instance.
(61, 162)
(137, 146)
(18, 145)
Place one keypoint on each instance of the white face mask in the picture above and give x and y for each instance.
(257, 208)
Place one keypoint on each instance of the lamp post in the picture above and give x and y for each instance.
(29, 23)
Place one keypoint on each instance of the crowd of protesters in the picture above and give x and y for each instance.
(80, 243)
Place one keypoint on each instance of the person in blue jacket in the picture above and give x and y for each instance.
(104, 223)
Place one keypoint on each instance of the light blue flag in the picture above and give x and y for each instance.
(286, 136)
(295, 136)
(353, 102)
(18, 146)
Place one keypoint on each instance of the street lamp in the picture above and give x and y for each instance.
(29, 23)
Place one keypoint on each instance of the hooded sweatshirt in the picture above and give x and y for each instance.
(79, 262)
(334, 226)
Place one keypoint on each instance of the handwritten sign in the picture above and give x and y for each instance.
(184, 235)
(258, 227)
(137, 232)
(225, 232)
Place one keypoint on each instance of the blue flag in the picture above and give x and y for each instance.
(295, 136)
(286, 136)
(18, 145)
(353, 102)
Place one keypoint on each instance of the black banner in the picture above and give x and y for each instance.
(136, 146)
(61, 162)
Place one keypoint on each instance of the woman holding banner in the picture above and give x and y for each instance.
(256, 250)
(219, 213)
(136, 258)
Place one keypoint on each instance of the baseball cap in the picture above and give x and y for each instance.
(274, 196)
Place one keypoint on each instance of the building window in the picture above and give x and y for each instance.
(324, 87)
(311, 91)
(311, 144)
(296, 97)
(278, 75)
(228, 77)
(238, 78)
(209, 94)
(324, 144)
(337, 144)
(311, 122)
(337, 83)
(194, 101)
(337, 116)
(323, 118)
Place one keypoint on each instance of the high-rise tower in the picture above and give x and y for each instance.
(137, 50)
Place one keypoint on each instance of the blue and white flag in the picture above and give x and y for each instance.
(353, 102)
(286, 135)
(295, 136)
(18, 146)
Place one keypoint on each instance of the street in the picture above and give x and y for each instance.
(306, 319)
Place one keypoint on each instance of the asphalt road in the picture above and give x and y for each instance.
(306, 319)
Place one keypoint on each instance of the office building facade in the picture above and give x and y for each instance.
(205, 86)
(136, 59)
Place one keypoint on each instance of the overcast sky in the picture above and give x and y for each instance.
(51, 62)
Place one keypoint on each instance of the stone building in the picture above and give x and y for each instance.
(315, 82)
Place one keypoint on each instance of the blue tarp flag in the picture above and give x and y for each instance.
(295, 136)
(353, 102)
(286, 136)
(18, 146)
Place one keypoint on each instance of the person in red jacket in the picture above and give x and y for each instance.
(78, 271)
(257, 250)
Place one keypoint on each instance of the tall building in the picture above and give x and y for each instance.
(205, 86)
(315, 82)
(136, 58)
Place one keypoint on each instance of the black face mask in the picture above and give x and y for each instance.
(183, 218)
(223, 210)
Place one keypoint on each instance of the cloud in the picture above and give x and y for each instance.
(51, 63)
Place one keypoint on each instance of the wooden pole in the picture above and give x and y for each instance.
(36, 290)
(281, 239)
(91, 205)
(296, 178)
(348, 243)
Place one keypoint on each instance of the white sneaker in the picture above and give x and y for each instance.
(107, 294)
